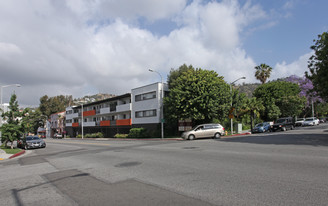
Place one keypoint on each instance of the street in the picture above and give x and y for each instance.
(280, 168)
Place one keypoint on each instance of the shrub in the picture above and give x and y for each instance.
(94, 135)
(78, 136)
(121, 136)
(138, 133)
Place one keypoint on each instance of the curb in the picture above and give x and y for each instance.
(17, 154)
(234, 135)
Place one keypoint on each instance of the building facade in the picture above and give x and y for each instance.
(57, 123)
(117, 115)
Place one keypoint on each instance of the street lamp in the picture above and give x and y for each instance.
(9, 85)
(82, 120)
(161, 103)
(231, 121)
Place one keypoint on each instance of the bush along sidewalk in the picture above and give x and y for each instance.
(92, 135)
(138, 133)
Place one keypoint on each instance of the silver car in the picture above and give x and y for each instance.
(31, 142)
(204, 130)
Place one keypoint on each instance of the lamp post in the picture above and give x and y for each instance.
(161, 103)
(9, 85)
(82, 120)
(231, 121)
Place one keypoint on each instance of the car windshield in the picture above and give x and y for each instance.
(309, 119)
(281, 120)
(259, 125)
(300, 119)
(32, 138)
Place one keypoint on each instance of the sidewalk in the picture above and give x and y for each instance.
(4, 155)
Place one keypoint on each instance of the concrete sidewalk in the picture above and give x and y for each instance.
(4, 155)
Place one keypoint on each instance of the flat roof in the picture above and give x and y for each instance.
(104, 100)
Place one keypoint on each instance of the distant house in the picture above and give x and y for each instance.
(57, 123)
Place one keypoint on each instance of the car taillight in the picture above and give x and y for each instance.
(223, 128)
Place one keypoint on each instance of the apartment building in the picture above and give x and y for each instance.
(140, 108)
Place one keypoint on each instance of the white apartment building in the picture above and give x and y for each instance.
(140, 108)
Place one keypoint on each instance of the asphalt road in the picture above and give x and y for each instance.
(281, 168)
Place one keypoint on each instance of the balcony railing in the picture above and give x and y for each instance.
(123, 107)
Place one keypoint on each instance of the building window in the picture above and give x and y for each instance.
(145, 96)
(146, 113)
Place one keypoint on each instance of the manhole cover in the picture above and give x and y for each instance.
(128, 164)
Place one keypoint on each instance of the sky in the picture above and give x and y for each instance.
(83, 47)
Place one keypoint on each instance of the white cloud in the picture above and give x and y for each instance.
(83, 47)
(297, 67)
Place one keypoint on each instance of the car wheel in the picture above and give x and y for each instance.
(26, 147)
(191, 137)
(217, 136)
(283, 129)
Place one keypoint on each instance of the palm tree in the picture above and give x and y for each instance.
(263, 72)
(253, 106)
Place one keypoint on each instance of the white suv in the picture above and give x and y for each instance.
(204, 130)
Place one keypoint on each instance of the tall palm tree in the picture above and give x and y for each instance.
(263, 72)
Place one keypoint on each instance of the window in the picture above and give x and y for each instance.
(146, 113)
(145, 96)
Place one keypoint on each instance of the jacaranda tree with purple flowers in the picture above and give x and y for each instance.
(312, 97)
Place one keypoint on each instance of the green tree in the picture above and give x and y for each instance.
(197, 94)
(263, 72)
(32, 120)
(175, 73)
(53, 105)
(253, 107)
(11, 130)
(318, 65)
(280, 98)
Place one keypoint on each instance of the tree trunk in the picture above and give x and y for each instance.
(252, 116)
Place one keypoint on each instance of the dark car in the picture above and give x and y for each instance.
(262, 127)
(30, 142)
(322, 120)
(283, 124)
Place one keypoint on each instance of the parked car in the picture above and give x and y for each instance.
(322, 120)
(299, 122)
(262, 127)
(31, 142)
(204, 130)
(58, 136)
(283, 124)
(311, 121)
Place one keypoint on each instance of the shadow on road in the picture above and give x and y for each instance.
(283, 139)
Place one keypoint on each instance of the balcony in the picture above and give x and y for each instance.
(105, 123)
(89, 113)
(104, 110)
(123, 107)
(121, 122)
(75, 124)
(89, 124)
(71, 116)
